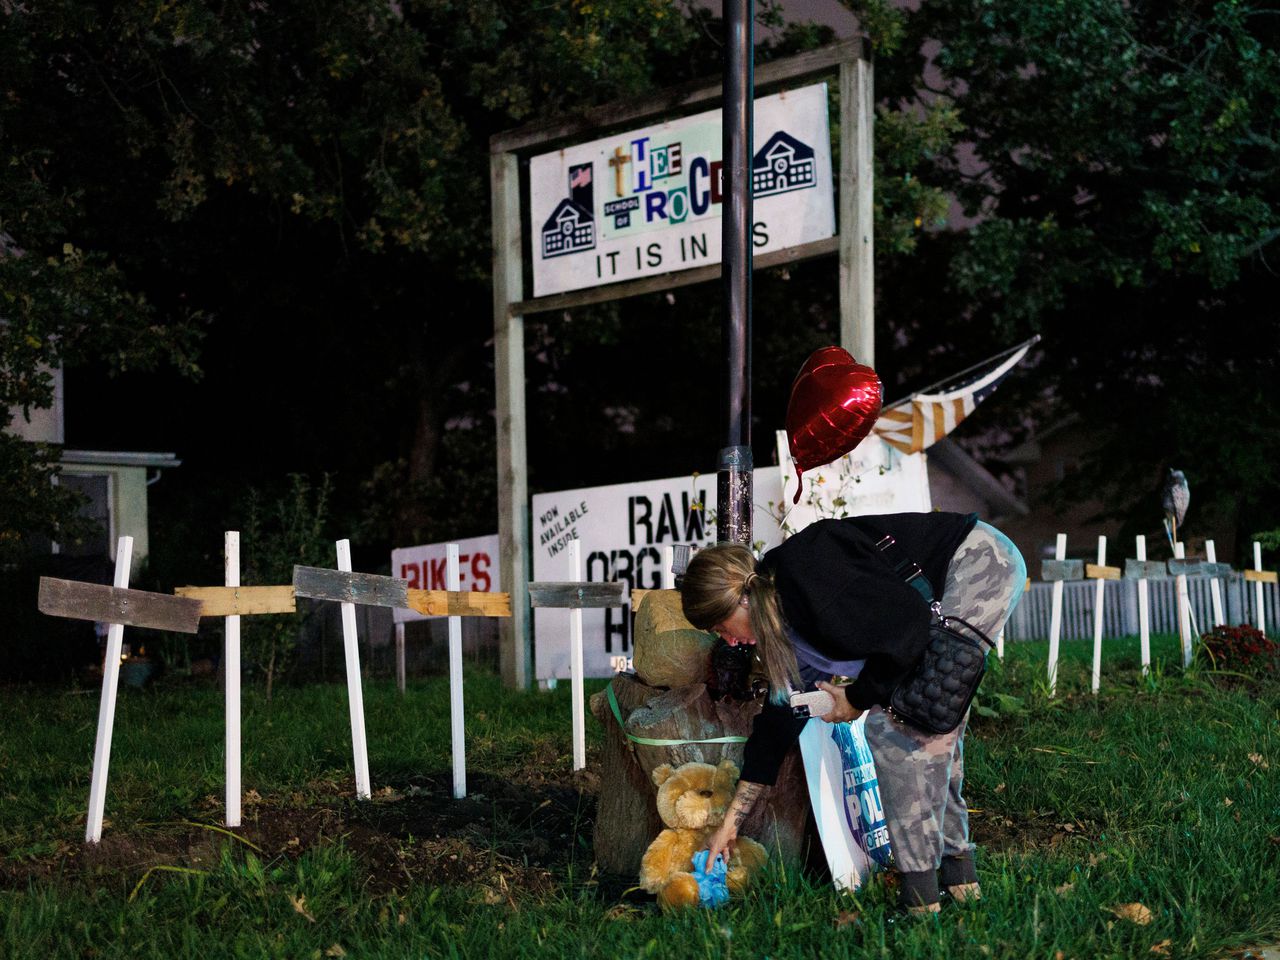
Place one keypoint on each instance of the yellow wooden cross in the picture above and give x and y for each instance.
(617, 161)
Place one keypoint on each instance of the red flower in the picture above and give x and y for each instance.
(1240, 647)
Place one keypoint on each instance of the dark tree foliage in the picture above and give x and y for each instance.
(309, 184)
(309, 180)
(306, 186)
(1122, 163)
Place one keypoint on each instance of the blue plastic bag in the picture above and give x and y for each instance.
(712, 888)
(863, 806)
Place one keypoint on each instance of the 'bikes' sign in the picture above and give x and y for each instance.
(425, 567)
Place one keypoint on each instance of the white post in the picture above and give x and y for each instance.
(575, 661)
(400, 671)
(453, 581)
(107, 705)
(355, 693)
(1257, 589)
(1144, 610)
(668, 561)
(231, 666)
(1055, 618)
(1097, 616)
(1184, 606)
(1215, 589)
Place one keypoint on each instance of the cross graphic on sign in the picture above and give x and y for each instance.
(617, 161)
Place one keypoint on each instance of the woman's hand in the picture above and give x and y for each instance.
(843, 710)
(722, 842)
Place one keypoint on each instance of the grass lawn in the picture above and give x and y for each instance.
(1162, 792)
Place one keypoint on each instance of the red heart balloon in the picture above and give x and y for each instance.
(834, 404)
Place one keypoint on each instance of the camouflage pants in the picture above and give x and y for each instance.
(921, 775)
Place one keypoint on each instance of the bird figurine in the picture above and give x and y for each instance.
(1174, 499)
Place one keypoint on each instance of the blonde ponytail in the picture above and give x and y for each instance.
(716, 582)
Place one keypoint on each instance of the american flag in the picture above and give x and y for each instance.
(924, 418)
(579, 176)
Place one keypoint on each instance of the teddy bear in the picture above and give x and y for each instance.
(692, 801)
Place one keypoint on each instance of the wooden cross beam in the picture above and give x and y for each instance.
(130, 608)
(373, 590)
(1145, 570)
(250, 601)
(459, 603)
(574, 595)
(241, 601)
(343, 586)
(1062, 570)
(1198, 568)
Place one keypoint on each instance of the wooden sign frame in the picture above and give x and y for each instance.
(854, 245)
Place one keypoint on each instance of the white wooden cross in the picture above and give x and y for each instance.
(349, 589)
(576, 595)
(1055, 617)
(1215, 589)
(1102, 573)
(233, 601)
(1184, 607)
(1259, 579)
(117, 606)
(1144, 608)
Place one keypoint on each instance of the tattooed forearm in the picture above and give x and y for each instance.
(748, 793)
(744, 800)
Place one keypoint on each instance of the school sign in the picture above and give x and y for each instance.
(649, 201)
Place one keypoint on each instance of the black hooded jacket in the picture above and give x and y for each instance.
(840, 593)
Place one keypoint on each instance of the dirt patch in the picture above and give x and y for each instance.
(502, 830)
(505, 834)
(508, 833)
(1047, 830)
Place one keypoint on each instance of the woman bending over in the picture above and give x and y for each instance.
(827, 603)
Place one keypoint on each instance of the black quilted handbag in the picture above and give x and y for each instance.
(936, 692)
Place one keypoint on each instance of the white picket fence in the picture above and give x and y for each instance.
(1030, 621)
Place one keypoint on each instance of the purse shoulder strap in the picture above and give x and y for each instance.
(910, 571)
(983, 639)
(907, 569)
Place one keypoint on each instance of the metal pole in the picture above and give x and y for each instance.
(733, 487)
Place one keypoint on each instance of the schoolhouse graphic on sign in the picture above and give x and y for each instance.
(571, 228)
(782, 164)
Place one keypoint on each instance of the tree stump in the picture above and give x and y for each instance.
(689, 713)
(627, 813)
(627, 818)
